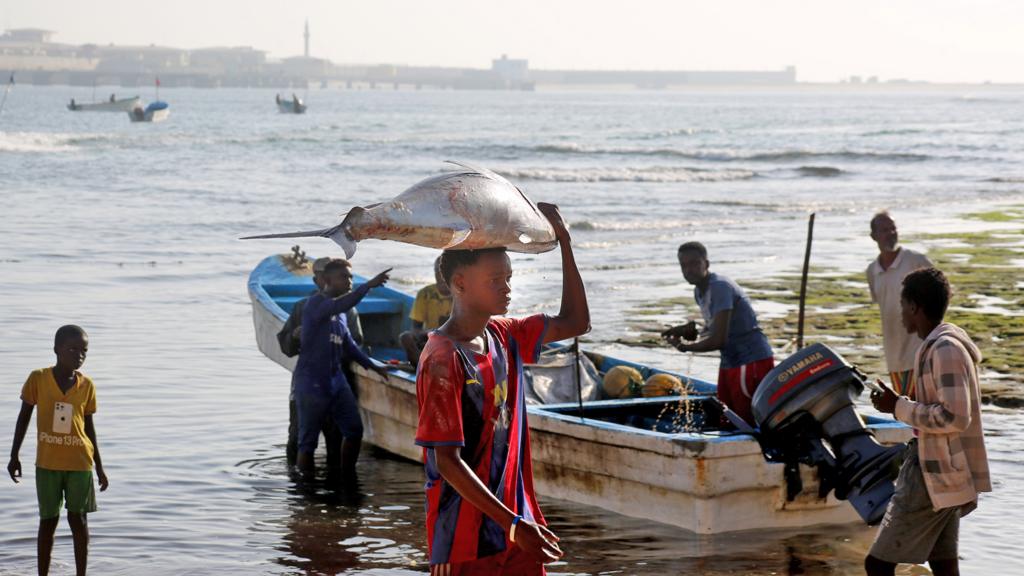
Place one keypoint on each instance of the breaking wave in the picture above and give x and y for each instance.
(732, 155)
(37, 142)
(649, 174)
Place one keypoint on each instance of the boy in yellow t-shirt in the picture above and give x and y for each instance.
(431, 309)
(67, 444)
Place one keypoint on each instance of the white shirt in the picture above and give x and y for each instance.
(886, 286)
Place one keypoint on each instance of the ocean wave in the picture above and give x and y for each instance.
(900, 132)
(646, 224)
(670, 133)
(648, 174)
(731, 155)
(820, 171)
(1005, 180)
(37, 142)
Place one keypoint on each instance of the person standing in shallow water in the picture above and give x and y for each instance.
(730, 326)
(289, 338)
(67, 446)
(322, 390)
(482, 513)
(946, 465)
(885, 279)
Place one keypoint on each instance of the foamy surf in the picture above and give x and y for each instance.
(35, 142)
(640, 174)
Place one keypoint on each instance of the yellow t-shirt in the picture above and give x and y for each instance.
(60, 420)
(430, 307)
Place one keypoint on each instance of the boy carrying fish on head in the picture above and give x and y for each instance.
(66, 447)
(482, 512)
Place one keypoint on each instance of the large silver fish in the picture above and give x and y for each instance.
(466, 209)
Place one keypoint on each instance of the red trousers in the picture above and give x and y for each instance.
(736, 386)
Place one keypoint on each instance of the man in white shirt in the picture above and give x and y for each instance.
(885, 278)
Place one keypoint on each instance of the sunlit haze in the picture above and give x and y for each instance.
(934, 40)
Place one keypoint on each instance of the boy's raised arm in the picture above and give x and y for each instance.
(24, 417)
(574, 315)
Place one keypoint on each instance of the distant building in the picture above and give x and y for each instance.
(301, 66)
(511, 71)
(32, 53)
(227, 61)
(142, 60)
(30, 49)
(28, 35)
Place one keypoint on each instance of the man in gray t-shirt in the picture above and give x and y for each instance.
(885, 277)
(730, 326)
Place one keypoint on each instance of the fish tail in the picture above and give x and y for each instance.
(341, 235)
(347, 243)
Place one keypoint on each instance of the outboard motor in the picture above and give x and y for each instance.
(806, 403)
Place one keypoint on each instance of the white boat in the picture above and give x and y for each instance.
(122, 105)
(155, 112)
(626, 456)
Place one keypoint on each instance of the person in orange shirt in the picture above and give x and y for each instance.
(430, 310)
(67, 444)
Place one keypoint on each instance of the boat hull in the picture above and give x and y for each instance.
(704, 482)
(289, 107)
(124, 105)
(150, 115)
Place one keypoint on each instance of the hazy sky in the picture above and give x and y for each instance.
(938, 40)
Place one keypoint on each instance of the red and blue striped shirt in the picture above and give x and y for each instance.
(475, 401)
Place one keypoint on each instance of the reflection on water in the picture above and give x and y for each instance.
(375, 526)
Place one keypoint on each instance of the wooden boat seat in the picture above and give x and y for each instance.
(369, 305)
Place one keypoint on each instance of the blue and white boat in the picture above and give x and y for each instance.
(154, 112)
(628, 456)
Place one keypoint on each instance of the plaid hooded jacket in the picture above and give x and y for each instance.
(947, 416)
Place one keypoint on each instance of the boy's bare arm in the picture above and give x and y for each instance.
(24, 417)
(574, 315)
(90, 431)
(716, 338)
(534, 539)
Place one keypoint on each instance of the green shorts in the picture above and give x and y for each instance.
(54, 487)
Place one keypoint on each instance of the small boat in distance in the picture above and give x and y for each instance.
(155, 112)
(293, 106)
(111, 105)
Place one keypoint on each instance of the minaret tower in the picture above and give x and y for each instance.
(306, 36)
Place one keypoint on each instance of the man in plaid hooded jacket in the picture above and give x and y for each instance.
(946, 466)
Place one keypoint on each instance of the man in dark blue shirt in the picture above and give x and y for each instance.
(289, 338)
(730, 326)
(322, 390)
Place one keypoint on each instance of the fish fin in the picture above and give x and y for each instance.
(322, 233)
(458, 237)
(486, 172)
(530, 202)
